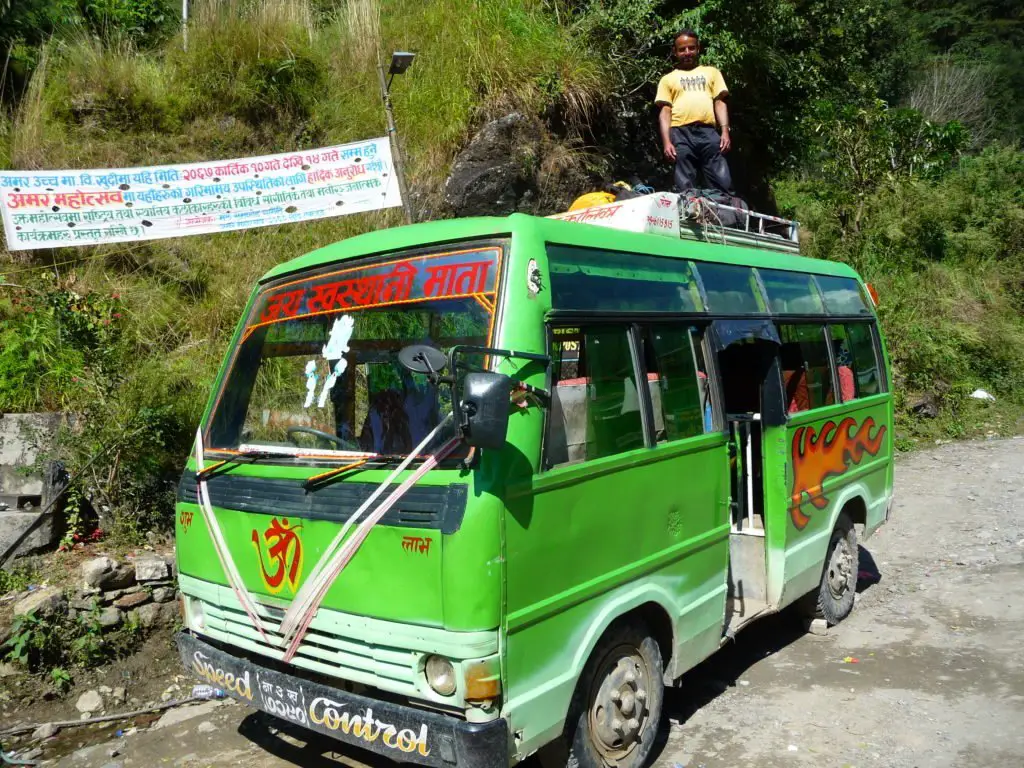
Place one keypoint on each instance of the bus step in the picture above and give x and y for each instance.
(751, 609)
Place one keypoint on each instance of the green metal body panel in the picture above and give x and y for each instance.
(385, 581)
(795, 556)
(545, 561)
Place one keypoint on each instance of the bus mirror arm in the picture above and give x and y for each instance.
(480, 398)
(463, 349)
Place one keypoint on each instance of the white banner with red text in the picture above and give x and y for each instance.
(55, 209)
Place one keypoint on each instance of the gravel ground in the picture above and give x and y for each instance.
(926, 672)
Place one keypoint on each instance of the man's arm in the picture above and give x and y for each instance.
(665, 128)
(722, 116)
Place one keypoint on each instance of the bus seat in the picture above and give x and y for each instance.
(567, 427)
(798, 397)
(794, 378)
(847, 389)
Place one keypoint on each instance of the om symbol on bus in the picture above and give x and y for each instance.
(284, 550)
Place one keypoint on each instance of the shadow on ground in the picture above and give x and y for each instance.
(720, 672)
(294, 744)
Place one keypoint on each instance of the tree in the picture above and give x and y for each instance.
(861, 147)
(778, 57)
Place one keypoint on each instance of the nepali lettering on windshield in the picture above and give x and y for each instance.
(317, 369)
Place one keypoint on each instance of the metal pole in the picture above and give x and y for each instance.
(396, 152)
(184, 25)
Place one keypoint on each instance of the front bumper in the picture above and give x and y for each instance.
(401, 733)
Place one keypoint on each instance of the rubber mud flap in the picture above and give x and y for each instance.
(401, 733)
(483, 745)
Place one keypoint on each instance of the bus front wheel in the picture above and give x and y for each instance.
(834, 598)
(616, 709)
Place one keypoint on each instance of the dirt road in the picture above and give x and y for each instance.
(927, 672)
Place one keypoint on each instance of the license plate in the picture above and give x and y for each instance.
(401, 733)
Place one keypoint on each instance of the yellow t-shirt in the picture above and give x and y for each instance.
(691, 94)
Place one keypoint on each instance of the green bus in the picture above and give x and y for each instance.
(470, 490)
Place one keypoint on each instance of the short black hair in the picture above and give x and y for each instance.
(687, 33)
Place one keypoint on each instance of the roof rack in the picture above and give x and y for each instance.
(692, 218)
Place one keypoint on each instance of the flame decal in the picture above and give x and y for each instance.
(831, 452)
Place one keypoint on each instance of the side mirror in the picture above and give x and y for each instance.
(421, 358)
(485, 406)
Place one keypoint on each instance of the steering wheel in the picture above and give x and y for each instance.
(345, 445)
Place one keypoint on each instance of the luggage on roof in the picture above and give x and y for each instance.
(694, 216)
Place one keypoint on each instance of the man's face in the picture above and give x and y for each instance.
(686, 51)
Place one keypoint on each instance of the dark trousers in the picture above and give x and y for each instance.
(697, 148)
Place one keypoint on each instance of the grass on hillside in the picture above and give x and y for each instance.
(130, 335)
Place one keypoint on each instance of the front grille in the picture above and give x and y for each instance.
(321, 652)
(423, 506)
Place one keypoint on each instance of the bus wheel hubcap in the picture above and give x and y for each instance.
(618, 712)
(839, 569)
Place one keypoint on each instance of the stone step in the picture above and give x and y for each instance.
(14, 525)
(10, 502)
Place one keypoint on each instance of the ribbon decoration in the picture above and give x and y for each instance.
(353, 544)
(220, 545)
(301, 612)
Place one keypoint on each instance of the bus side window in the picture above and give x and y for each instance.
(595, 404)
(806, 372)
(678, 381)
(853, 345)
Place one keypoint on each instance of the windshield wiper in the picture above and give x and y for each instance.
(241, 458)
(325, 477)
(373, 462)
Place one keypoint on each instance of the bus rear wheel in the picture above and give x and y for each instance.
(617, 707)
(838, 589)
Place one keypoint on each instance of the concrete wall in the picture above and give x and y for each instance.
(21, 435)
(23, 532)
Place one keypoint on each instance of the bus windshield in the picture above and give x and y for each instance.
(317, 369)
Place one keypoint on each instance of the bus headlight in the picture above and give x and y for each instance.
(440, 675)
(194, 615)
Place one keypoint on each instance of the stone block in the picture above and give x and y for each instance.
(90, 701)
(133, 600)
(95, 570)
(84, 602)
(163, 594)
(150, 569)
(148, 615)
(26, 533)
(45, 731)
(21, 437)
(109, 617)
(43, 602)
(106, 574)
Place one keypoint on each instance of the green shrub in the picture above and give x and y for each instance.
(16, 578)
(56, 643)
(947, 258)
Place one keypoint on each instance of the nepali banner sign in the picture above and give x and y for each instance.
(54, 209)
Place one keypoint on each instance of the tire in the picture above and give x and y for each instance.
(837, 592)
(602, 732)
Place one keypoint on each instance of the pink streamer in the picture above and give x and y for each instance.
(357, 538)
(202, 496)
(257, 624)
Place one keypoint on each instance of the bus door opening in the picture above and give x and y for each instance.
(747, 368)
(744, 368)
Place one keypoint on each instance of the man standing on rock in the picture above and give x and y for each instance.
(691, 99)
